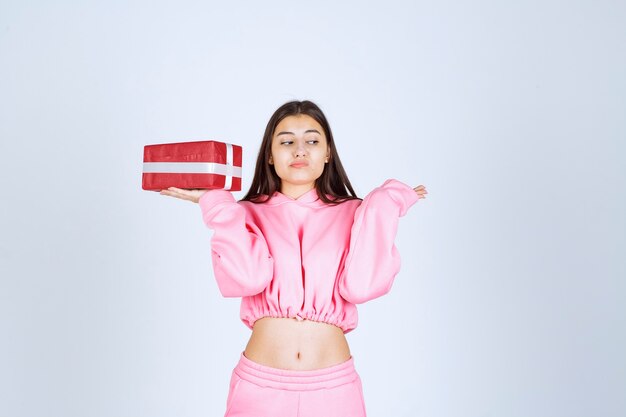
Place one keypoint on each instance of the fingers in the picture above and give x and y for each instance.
(421, 191)
(192, 195)
(177, 192)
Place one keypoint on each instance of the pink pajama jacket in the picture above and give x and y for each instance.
(303, 258)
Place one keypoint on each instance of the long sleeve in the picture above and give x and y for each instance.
(373, 260)
(242, 263)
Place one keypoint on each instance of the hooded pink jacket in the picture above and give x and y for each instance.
(303, 258)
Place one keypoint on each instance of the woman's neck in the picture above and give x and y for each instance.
(296, 190)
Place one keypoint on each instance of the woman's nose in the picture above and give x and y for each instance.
(300, 150)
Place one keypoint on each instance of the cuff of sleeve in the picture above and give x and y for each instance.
(403, 194)
(210, 200)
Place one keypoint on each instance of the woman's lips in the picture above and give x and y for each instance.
(301, 164)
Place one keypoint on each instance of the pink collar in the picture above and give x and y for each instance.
(308, 198)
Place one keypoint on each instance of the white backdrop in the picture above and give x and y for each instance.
(511, 299)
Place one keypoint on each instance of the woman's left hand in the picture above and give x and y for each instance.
(421, 191)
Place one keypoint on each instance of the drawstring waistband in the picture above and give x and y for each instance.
(293, 380)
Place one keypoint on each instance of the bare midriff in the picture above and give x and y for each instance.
(288, 343)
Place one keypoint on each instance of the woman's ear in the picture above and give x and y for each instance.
(327, 155)
(271, 161)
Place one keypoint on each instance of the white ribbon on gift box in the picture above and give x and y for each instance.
(228, 183)
(227, 169)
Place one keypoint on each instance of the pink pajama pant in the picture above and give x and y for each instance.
(261, 391)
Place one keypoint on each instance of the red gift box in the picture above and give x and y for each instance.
(205, 164)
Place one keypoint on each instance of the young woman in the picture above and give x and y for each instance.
(301, 250)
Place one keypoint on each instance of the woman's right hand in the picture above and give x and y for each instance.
(190, 195)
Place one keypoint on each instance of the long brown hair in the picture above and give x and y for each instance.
(333, 182)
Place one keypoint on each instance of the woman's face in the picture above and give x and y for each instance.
(299, 152)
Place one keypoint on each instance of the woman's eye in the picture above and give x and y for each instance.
(313, 142)
(286, 142)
